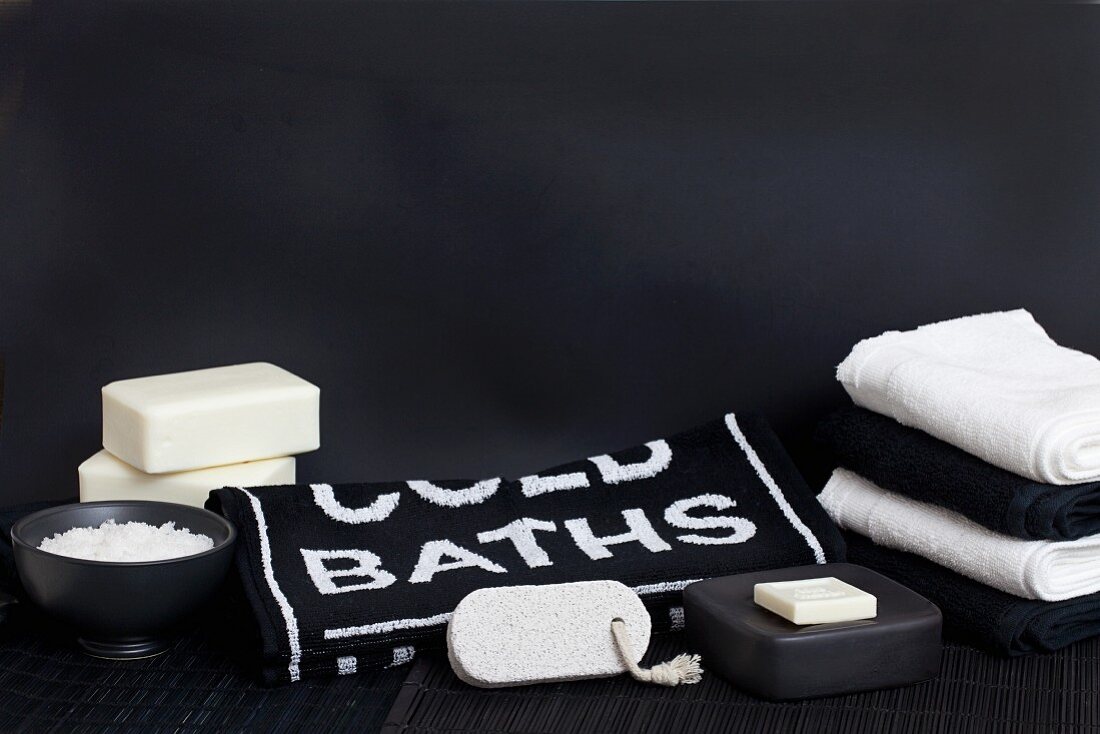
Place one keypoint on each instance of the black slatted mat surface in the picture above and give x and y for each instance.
(974, 693)
(46, 685)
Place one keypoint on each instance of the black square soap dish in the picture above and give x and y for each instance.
(770, 657)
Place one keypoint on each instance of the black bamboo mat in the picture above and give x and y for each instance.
(46, 685)
(974, 693)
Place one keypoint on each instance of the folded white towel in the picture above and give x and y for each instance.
(1033, 569)
(994, 385)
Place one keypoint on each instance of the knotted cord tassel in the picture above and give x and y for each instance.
(681, 670)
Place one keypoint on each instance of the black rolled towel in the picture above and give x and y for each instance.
(980, 615)
(342, 578)
(911, 462)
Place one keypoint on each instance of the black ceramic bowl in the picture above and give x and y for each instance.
(121, 610)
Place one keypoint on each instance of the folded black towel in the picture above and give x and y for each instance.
(912, 463)
(978, 614)
(347, 577)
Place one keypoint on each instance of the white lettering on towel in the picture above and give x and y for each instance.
(431, 561)
(444, 497)
(703, 520)
(535, 485)
(640, 531)
(367, 566)
(522, 534)
(676, 516)
(376, 511)
(613, 472)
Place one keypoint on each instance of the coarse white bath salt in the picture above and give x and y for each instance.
(127, 543)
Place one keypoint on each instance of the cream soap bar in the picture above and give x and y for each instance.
(103, 477)
(204, 418)
(815, 601)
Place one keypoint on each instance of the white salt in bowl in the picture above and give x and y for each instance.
(121, 609)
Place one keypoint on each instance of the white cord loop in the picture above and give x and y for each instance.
(681, 670)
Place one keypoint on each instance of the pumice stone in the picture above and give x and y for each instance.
(520, 635)
(770, 656)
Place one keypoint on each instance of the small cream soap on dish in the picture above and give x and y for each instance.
(103, 477)
(815, 601)
(204, 418)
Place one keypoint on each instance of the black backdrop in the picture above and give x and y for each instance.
(503, 236)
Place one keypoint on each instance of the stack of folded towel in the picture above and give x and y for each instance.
(971, 473)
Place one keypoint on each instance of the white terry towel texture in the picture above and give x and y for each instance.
(1032, 569)
(994, 385)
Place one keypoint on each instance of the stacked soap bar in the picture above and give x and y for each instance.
(173, 438)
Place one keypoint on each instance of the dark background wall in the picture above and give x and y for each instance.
(502, 236)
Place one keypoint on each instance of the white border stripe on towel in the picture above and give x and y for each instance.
(381, 628)
(662, 587)
(280, 598)
(773, 488)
